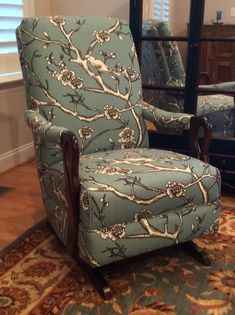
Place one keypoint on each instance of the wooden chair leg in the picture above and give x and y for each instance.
(197, 253)
(97, 279)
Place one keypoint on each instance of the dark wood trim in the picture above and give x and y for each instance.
(97, 279)
(197, 253)
(192, 68)
(217, 39)
(136, 10)
(163, 87)
(164, 38)
(186, 38)
(70, 152)
(196, 124)
(202, 90)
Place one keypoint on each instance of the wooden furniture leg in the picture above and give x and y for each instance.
(97, 279)
(197, 253)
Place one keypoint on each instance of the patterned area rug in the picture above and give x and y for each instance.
(37, 277)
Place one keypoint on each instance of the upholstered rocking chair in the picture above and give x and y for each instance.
(107, 195)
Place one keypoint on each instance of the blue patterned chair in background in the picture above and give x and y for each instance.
(107, 195)
(162, 65)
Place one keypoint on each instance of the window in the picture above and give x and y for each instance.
(11, 14)
(157, 9)
(161, 10)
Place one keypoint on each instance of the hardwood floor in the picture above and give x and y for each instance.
(22, 207)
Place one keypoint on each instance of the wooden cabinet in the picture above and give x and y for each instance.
(217, 59)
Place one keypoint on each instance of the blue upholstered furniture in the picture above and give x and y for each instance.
(107, 195)
(162, 65)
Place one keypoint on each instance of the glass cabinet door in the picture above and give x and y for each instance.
(204, 33)
(163, 52)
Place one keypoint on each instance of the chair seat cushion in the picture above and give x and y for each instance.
(122, 185)
(146, 233)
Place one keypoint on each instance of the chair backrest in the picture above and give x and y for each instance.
(82, 73)
(172, 55)
(162, 65)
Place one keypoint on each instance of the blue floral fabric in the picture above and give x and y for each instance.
(82, 74)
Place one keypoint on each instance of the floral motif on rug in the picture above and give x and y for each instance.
(37, 277)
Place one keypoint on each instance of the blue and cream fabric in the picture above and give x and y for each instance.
(162, 65)
(82, 74)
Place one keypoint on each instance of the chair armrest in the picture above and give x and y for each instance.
(46, 131)
(182, 121)
(42, 128)
(221, 88)
(163, 119)
(196, 123)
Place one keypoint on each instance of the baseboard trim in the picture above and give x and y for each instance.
(16, 156)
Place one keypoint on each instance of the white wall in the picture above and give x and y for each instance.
(42, 7)
(110, 8)
(181, 13)
(223, 5)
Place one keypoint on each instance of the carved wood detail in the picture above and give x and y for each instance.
(70, 151)
(196, 124)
